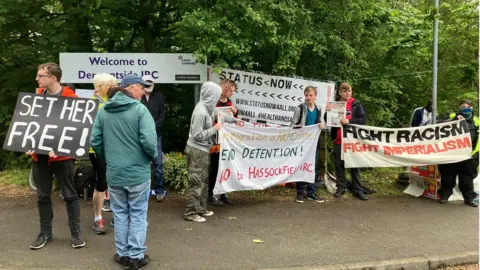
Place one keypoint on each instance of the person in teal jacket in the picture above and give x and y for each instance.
(130, 145)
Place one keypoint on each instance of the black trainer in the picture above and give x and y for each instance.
(443, 199)
(472, 203)
(77, 240)
(314, 197)
(339, 193)
(124, 261)
(214, 201)
(137, 264)
(224, 198)
(361, 195)
(299, 198)
(42, 239)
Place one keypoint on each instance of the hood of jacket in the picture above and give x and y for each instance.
(209, 95)
(120, 102)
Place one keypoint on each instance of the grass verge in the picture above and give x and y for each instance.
(14, 182)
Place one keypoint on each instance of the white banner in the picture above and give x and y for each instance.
(257, 158)
(365, 146)
(163, 67)
(271, 99)
(85, 93)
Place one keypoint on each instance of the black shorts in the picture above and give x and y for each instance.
(100, 167)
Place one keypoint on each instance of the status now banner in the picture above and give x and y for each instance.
(271, 99)
(253, 158)
(366, 146)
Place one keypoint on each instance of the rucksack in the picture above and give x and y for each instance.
(84, 176)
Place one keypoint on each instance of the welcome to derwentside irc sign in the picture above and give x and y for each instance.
(163, 67)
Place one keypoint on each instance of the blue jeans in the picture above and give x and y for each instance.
(158, 169)
(129, 206)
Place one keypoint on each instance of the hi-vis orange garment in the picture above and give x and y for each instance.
(215, 149)
(66, 92)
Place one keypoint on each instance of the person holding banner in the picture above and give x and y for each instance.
(200, 140)
(102, 82)
(307, 114)
(466, 170)
(128, 151)
(355, 115)
(228, 88)
(422, 116)
(46, 166)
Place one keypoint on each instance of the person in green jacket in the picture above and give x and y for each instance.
(129, 147)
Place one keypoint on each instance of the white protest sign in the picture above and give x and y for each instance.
(163, 67)
(256, 158)
(271, 99)
(337, 112)
(365, 146)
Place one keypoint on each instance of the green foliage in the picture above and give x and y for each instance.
(17, 177)
(175, 171)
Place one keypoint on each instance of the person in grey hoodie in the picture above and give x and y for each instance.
(200, 140)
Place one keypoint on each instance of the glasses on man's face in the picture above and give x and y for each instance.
(39, 76)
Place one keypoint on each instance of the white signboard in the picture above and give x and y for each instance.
(271, 99)
(365, 146)
(84, 93)
(163, 67)
(254, 158)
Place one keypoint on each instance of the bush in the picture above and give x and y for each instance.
(175, 171)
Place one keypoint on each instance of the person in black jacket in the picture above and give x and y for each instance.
(355, 115)
(155, 102)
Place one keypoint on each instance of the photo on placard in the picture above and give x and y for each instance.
(336, 113)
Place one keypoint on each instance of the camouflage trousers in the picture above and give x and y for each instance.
(198, 163)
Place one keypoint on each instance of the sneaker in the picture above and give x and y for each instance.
(77, 241)
(112, 223)
(360, 195)
(214, 201)
(224, 198)
(299, 198)
(106, 206)
(122, 260)
(41, 241)
(314, 197)
(472, 203)
(339, 193)
(206, 214)
(443, 199)
(98, 227)
(195, 218)
(161, 197)
(60, 197)
(137, 264)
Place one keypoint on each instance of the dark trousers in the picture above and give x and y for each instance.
(43, 172)
(212, 177)
(158, 169)
(100, 167)
(319, 173)
(340, 171)
(466, 171)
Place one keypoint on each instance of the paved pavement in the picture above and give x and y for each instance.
(336, 232)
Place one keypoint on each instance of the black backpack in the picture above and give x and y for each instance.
(83, 178)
